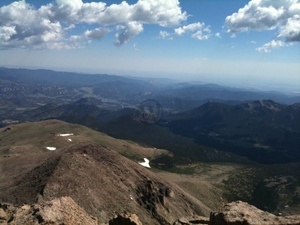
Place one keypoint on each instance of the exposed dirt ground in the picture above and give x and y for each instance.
(97, 177)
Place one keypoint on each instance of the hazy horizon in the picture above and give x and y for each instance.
(249, 44)
(240, 85)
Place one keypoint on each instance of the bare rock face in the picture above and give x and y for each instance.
(195, 220)
(125, 219)
(242, 213)
(58, 211)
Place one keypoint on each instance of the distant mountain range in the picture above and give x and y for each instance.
(201, 122)
(31, 88)
(262, 131)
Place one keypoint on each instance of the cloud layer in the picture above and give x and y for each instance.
(23, 26)
(54, 25)
(261, 15)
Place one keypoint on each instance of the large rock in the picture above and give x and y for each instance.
(195, 220)
(58, 211)
(242, 213)
(125, 219)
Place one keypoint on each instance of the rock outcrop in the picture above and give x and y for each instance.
(195, 220)
(126, 219)
(65, 211)
(242, 213)
(58, 211)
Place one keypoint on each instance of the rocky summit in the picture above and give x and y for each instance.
(65, 211)
(239, 213)
(58, 211)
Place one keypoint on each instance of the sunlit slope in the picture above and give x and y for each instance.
(28, 138)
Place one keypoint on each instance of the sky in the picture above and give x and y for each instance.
(240, 43)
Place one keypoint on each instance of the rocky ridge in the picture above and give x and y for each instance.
(58, 211)
(65, 211)
(240, 213)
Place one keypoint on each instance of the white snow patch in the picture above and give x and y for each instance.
(51, 148)
(66, 135)
(69, 139)
(146, 163)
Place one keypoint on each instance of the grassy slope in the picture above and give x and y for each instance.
(273, 188)
(35, 137)
(203, 181)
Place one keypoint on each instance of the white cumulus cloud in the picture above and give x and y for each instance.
(165, 35)
(97, 33)
(7, 32)
(163, 12)
(23, 25)
(128, 32)
(261, 15)
(270, 45)
(291, 31)
(197, 30)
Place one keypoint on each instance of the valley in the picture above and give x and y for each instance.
(212, 145)
(205, 122)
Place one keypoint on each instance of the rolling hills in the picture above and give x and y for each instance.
(259, 131)
(24, 89)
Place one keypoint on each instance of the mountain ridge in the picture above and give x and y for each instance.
(253, 124)
(87, 172)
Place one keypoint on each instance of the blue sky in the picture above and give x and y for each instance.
(237, 43)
